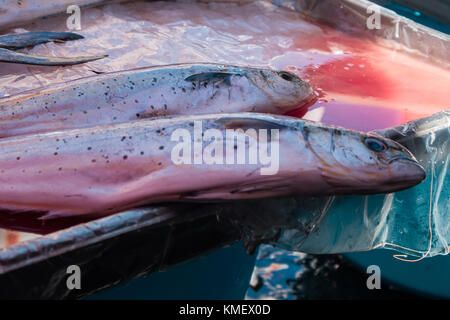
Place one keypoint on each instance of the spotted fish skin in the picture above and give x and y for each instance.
(105, 169)
(152, 91)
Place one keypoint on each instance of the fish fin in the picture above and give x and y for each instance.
(97, 72)
(22, 40)
(54, 214)
(234, 122)
(16, 57)
(213, 76)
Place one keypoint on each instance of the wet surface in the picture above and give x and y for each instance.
(287, 275)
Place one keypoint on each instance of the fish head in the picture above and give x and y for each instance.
(285, 90)
(368, 163)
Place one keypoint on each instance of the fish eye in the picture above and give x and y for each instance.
(286, 76)
(375, 144)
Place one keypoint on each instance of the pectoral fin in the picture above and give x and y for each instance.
(213, 76)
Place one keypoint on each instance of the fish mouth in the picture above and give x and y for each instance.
(403, 157)
(408, 172)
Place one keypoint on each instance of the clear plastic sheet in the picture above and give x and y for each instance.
(415, 221)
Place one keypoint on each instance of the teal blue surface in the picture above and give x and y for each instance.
(223, 274)
(429, 277)
(414, 15)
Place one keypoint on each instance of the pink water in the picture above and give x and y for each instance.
(359, 84)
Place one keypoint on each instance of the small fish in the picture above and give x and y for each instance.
(11, 42)
(29, 39)
(17, 13)
(148, 92)
(105, 169)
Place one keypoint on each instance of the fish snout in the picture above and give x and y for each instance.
(407, 172)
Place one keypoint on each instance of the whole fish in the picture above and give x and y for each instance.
(105, 169)
(152, 91)
(11, 42)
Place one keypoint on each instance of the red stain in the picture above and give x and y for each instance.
(30, 222)
(12, 237)
(299, 112)
(353, 76)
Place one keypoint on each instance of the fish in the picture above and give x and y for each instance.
(29, 39)
(100, 170)
(11, 42)
(149, 92)
(16, 13)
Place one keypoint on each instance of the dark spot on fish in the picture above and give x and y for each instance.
(18, 158)
(142, 153)
(138, 115)
(89, 148)
(125, 157)
(161, 147)
(55, 154)
(93, 160)
(123, 138)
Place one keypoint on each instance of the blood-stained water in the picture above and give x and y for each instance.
(359, 83)
(364, 86)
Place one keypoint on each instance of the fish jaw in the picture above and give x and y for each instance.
(408, 174)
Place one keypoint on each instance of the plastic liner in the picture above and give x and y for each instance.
(415, 221)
